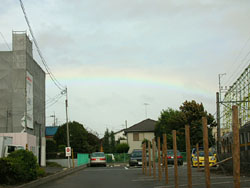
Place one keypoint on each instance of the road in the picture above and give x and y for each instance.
(123, 177)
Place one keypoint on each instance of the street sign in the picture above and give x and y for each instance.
(68, 151)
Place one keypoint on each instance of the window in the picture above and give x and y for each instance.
(135, 136)
(248, 137)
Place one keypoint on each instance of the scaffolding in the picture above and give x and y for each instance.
(237, 94)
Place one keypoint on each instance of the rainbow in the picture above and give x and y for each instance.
(127, 77)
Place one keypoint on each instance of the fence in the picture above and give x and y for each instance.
(117, 158)
(82, 159)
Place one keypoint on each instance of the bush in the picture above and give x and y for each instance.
(122, 148)
(20, 166)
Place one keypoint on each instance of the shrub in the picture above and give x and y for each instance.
(20, 166)
(5, 172)
(122, 148)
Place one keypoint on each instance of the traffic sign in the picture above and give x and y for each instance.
(68, 151)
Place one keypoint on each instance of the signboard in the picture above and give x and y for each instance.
(29, 100)
(68, 151)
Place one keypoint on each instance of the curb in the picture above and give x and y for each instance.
(52, 177)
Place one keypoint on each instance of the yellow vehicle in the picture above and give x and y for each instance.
(212, 159)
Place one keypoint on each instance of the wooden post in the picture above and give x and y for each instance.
(166, 157)
(189, 172)
(175, 159)
(236, 148)
(143, 159)
(206, 157)
(198, 155)
(163, 158)
(159, 158)
(72, 153)
(149, 158)
(154, 169)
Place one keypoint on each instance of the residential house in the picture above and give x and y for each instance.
(120, 137)
(50, 132)
(138, 132)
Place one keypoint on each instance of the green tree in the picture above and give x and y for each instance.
(78, 137)
(94, 142)
(168, 121)
(122, 148)
(193, 113)
(106, 141)
(112, 142)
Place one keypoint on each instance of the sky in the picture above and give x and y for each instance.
(115, 56)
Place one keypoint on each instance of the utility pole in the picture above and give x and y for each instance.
(218, 122)
(54, 116)
(66, 105)
(146, 113)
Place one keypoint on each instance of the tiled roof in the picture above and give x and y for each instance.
(147, 125)
(51, 131)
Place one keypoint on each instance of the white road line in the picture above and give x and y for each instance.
(149, 179)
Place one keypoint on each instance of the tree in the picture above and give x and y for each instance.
(106, 142)
(190, 113)
(78, 137)
(122, 148)
(168, 121)
(112, 142)
(94, 142)
(193, 113)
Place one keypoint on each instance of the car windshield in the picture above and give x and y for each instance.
(97, 154)
(201, 154)
(171, 152)
(136, 154)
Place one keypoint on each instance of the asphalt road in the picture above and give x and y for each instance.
(123, 177)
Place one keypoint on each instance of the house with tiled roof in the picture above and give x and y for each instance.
(138, 132)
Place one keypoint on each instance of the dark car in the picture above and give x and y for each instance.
(135, 158)
(170, 155)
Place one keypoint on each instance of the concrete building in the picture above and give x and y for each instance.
(22, 96)
(138, 132)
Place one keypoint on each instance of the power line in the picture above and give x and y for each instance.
(5, 41)
(53, 78)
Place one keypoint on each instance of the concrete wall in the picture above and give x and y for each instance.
(63, 162)
(14, 67)
(137, 144)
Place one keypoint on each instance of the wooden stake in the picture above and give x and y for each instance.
(154, 168)
(159, 158)
(145, 157)
(149, 158)
(163, 158)
(198, 155)
(189, 172)
(236, 148)
(175, 159)
(73, 157)
(206, 153)
(166, 157)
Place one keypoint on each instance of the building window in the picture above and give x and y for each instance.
(135, 136)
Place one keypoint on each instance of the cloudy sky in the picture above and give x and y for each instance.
(116, 55)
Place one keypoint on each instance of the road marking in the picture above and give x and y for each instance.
(126, 168)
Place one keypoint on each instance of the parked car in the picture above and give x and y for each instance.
(170, 155)
(136, 158)
(211, 156)
(98, 158)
